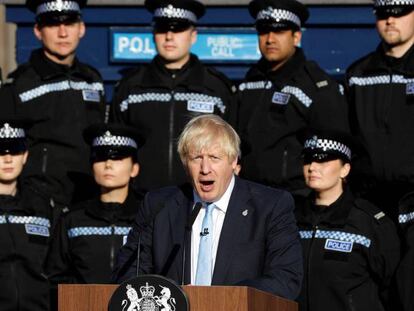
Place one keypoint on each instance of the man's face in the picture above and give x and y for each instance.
(114, 174)
(396, 31)
(278, 46)
(210, 171)
(11, 165)
(60, 40)
(174, 47)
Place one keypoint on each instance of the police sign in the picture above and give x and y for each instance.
(223, 45)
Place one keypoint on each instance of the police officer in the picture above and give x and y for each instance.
(173, 88)
(282, 96)
(350, 247)
(88, 238)
(60, 93)
(25, 227)
(381, 95)
(405, 272)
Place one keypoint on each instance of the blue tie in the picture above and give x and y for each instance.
(205, 258)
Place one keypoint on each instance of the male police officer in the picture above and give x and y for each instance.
(174, 87)
(282, 96)
(61, 94)
(381, 98)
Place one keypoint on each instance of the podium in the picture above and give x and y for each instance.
(90, 297)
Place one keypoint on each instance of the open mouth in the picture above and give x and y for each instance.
(206, 185)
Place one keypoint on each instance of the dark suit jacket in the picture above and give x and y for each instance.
(260, 249)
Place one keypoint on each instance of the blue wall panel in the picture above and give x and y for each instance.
(334, 36)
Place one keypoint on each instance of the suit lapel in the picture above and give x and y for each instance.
(178, 215)
(237, 218)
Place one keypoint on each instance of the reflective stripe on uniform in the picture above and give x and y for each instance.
(166, 97)
(374, 80)
(336, 235)
(58, 87)
(404, 218)
(82, 231)
(144, 97)
(25, 220)
(299, 94)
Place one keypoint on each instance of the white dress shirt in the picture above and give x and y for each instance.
(219, 212)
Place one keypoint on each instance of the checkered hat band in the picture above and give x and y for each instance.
(336, 235)
(58, 6)
(171, 12)
(405, 218)
(117, 141)
(278, 15)
(7, 132)
(327, 145)
(384, 3)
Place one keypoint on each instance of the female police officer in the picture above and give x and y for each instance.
(350, 247)
(85, 244)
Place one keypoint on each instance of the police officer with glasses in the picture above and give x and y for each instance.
(61, 94)
(380, 91)
(283, 95)
(25, 227)
(350, 247)
(161, 97)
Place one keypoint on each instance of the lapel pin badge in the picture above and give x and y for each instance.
(245, 212)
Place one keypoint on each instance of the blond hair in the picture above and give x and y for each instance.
(203, 131)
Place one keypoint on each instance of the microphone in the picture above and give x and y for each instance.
(189, 227)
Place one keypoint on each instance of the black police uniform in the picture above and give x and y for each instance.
(380, 91)
(62, 101)
(276, 107)
(405, 271)
(162, 101)
(274, 111)
(351, 251)
(350, 247)
(88, 239)
(25, 228)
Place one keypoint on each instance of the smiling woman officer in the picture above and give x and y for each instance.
(350, 248)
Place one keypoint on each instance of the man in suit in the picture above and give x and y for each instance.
(244, 233)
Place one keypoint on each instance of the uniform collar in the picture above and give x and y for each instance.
(17, 203)
(380, 62)
(114, 211)
(190, 75)
(335, 214)
(48, 69)
(262, 68)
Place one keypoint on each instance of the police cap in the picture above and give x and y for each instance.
(13, 136)
(271, 15)
(322, 146)
(56, 11)
(113, 141)
(396, 8)
(174, 15)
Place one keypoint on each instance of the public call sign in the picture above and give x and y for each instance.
(213, 45)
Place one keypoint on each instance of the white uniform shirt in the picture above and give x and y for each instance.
(219, 212)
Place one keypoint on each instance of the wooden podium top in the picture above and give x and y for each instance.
(94, 297)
